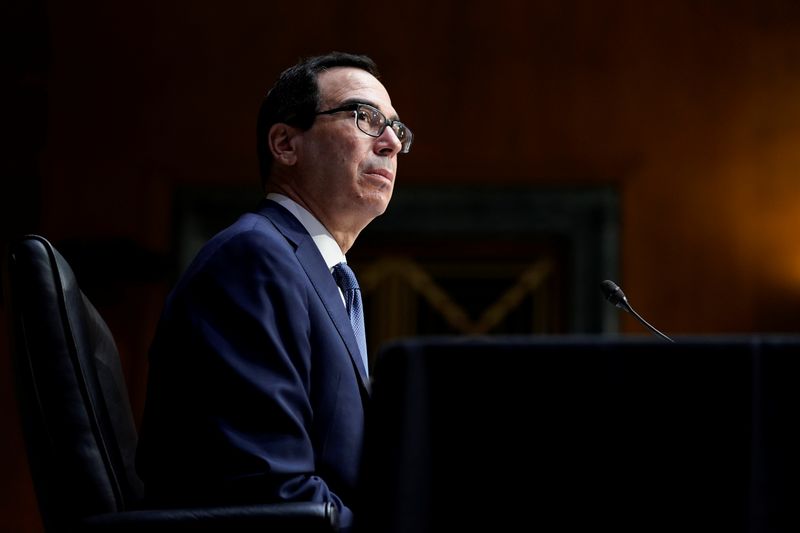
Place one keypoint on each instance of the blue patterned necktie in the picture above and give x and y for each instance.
(346, 280)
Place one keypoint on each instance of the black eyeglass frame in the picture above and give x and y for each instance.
(355, 106)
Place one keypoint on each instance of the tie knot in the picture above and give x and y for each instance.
(344, 276)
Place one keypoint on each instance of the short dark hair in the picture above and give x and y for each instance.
(294, 99)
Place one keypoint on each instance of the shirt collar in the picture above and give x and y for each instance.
(325, 242)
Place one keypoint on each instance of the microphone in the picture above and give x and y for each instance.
(614, 294)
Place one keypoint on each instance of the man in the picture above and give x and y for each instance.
(257, 379)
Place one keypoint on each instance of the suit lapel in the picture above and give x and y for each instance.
(321, 279)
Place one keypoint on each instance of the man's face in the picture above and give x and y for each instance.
(345, 176)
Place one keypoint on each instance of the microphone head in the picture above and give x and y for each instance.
(613, 293)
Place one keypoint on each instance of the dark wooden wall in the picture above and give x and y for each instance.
(690, 109)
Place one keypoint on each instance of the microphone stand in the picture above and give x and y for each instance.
(627, 307)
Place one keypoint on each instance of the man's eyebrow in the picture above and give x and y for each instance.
(350, 101)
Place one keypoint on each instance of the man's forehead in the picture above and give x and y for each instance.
(348, 83)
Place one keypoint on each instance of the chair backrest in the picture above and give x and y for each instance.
(75, 410)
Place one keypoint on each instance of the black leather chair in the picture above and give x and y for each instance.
(77, 421)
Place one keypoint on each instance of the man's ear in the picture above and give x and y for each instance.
(283, 142)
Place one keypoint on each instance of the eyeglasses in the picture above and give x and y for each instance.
(372, 122)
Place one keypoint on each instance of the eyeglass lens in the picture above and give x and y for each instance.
(372, 122)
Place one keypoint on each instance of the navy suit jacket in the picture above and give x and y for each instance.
(256, 391)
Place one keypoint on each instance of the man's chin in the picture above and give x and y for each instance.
(377, 203)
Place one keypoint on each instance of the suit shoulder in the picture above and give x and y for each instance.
(250, 241)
